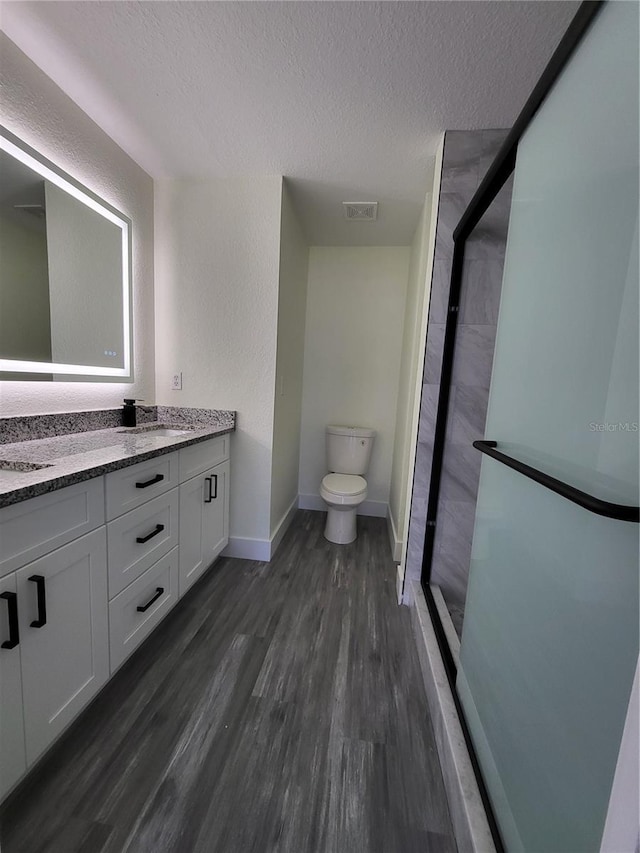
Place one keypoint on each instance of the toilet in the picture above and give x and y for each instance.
(344, 488)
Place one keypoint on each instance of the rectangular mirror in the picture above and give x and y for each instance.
(65, 275)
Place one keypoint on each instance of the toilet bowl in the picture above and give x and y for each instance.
(343, 494)
(344, 488)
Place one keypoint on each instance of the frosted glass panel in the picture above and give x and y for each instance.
(565, 375)
(550, 638)
(549, 648)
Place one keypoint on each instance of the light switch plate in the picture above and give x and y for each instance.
(176, 382)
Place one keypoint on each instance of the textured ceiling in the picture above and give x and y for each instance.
(347, 99)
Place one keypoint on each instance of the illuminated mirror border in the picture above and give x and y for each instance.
(31, 158)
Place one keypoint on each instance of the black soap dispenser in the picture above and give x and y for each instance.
(129, 413)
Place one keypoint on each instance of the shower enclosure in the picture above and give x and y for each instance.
(549, 642)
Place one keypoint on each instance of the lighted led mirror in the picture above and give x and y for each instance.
(65, 275)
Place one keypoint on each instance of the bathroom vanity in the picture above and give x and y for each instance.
(101, 533)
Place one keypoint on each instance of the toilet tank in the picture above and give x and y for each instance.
(349, 449)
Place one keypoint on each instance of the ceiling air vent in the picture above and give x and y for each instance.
(360, 210)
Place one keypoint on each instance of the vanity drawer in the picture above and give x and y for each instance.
(39, 525)
(136, 540)
(156, 591)
(199, 457)
(130, 487)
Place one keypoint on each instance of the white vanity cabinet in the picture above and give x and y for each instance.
(143, 550)
(86, 574)
(34, 527)
(61, 657)
(130, 487)
(204, 507)
(137, 539)
(13, 761)
(135, 612)
(63, 636)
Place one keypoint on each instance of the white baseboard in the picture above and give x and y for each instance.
(283, 526)
(261, 549)
(396, 544)
(248, 549)
(378, 509)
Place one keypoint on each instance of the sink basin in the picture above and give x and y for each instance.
(170, 431)
(165, 430)
(20, 467)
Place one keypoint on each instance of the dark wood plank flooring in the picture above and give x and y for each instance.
(279, 707)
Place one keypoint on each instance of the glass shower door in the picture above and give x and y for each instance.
(550, 638)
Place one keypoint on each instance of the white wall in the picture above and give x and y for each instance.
(37, 111)
(413, 354)
(353, 342)
(413, 343)
(417, 295)
(217, 258)
(292, 301)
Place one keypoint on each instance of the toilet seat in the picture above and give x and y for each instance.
(345, 485)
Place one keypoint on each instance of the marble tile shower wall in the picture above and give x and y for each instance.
(467, 156)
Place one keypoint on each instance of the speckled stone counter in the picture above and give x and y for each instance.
(75, 456)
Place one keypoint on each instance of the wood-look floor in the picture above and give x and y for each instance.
(279, 707)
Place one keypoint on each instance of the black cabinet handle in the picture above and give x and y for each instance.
(158, 593)
(211, 495)
(41, 621)
(151, 482)
(142, 539)
(12, 607)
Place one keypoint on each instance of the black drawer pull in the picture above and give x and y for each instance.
(41, 621)
(211, 496)
(143, 607)
(151, 482)
(12, 609)
(142, 539)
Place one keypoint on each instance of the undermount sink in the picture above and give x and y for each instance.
(170, 431)
(165, 430)
(20, 467)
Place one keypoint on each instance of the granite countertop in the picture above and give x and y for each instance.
(74, 457)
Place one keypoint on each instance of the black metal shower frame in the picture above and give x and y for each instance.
(500, 170)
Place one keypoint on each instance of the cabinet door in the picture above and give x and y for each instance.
(13, 762)
(63, 636)
(204, 522)
(216, 510)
